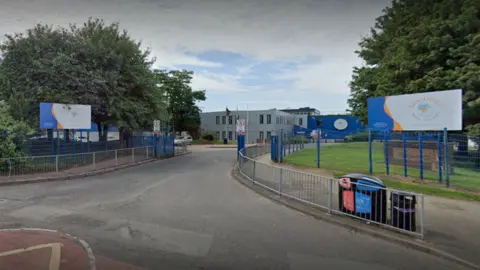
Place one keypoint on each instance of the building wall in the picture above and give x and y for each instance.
(273, 121)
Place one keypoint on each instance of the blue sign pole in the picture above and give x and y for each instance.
(420, 150)
(318, 148)
(439, 150)
(370, 163)
(405, 163)
(387, 165)
(240, 145)
(447, 169)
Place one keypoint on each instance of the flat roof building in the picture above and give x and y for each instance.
(259, 124)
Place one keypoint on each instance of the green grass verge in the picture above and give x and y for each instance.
(353, 157)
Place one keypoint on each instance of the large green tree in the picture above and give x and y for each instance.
(421, 46)
(95, 63)
(181, 99)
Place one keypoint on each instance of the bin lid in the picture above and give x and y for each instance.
(366, 177)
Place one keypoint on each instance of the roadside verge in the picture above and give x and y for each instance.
(353, 225)
(80, 174)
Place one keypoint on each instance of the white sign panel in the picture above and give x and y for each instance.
(65, 116)
(241, 126)
(156, 126)
(424, 111)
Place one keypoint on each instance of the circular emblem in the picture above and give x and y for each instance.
(425, 109)
(340, 124)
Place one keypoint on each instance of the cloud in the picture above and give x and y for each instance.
(239, 50)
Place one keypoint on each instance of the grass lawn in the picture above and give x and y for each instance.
(353, 157)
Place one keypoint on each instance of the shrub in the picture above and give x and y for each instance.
(208, 136)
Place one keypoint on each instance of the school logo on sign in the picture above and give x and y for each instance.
(426, 109)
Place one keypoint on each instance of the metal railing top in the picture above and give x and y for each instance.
(316, 175)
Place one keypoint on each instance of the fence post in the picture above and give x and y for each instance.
(281, 182)
(447, 169)
(146, 149)
(281, 146)
(133, 155)
(56, 163)
(420, 150)
(387, 165)
(439, 152)
(370, 163)
(93, 160)
(422, 205)
(116, 157)
(405, 163)
(330, 195)
(318, 148)
(253, 175)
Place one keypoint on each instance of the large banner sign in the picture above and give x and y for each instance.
(424, 111)
(65, 116)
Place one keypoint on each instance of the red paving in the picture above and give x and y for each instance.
(40, 250)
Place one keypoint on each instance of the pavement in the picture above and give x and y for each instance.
(188, 213)
(452, 226)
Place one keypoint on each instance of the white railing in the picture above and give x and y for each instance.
(394, 209)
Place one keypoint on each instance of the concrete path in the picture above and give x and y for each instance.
(451, 225)
(188, 213)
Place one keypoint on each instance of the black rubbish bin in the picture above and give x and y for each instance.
(225, 141)
(403, 210)
(364, 196)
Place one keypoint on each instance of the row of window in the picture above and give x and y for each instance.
(231, 134)
(289, 120)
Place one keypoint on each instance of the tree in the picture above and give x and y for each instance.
(421, 46)
(12, 133)
(95, 64)
(181, 99)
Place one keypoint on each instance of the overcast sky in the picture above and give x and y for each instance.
(260, 54)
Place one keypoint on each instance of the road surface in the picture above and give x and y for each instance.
(188, 213)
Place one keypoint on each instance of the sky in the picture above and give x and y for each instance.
(246, 54)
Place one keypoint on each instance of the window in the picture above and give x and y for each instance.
(230, 136)
(269, 135)
(269, 118)
(224, 134)
(230, 119)
(224, 120)
(260, 135)
(278, 121)
(218, 120)
(300, 121)
(218, 135)
(261, 118)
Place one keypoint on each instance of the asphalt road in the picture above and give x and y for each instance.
(188, 213)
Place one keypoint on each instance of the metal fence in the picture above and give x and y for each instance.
(452, 160)
(33, 166)
(76, 142)
(394, 209)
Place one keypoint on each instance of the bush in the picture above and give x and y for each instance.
(359, 137)
(208, 136)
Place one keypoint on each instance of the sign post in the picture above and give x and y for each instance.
(156, 126)
(240, 136)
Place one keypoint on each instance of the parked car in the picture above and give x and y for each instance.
(180, 140)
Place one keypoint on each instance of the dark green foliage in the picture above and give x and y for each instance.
(208, 136)
(421, 46)
(95, 64)
(181, 99)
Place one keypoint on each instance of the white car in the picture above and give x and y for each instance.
(187, 140)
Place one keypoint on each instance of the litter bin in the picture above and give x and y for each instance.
(225, 141)
(403, 211)
(363, 196)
